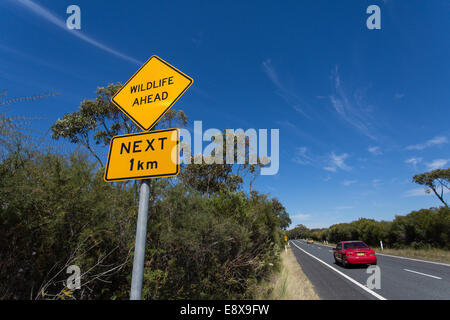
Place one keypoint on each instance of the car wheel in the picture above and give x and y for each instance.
(344, 263)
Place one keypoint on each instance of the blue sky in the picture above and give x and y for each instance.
(359, 111)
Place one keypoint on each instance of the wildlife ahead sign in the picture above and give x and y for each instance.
(151, 92)
(144, 155)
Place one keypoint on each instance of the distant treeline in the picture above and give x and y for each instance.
(426, 228)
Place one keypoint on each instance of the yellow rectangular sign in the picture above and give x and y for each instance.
(151, 92)
(144, 155)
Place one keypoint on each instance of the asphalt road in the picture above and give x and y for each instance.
(400, 278)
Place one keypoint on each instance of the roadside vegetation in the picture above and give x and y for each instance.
(208, 237)
(288, 283)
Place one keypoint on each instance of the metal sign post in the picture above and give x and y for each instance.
(139, 247)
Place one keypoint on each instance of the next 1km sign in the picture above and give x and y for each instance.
(153, 154)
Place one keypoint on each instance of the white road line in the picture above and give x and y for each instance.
(376, 295)
(424, 274)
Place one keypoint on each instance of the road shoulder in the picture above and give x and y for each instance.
(328, 284)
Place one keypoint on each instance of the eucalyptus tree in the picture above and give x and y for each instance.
(437, 180)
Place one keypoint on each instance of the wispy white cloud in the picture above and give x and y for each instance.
(351, 109)
(337, 162)
(432, 142)
(47, 64)
(414, 161)
(344, 207)
(376, 183)
(304, 156)
(301, 133)
(417, 192)
(291, 98)
(399, 95)
(329, 162)
(375, 150)
(197, 40)
(50, 17)
(437, 164)
(301, 156)
(349, 182)
(301, 216)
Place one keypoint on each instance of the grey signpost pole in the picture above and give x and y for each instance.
(139, 247)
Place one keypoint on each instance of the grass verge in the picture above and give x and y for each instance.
(289, 283)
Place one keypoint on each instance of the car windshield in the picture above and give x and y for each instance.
(355, 245)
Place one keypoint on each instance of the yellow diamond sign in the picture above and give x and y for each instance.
(151, 92)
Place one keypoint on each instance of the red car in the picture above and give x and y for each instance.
(354, 252)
